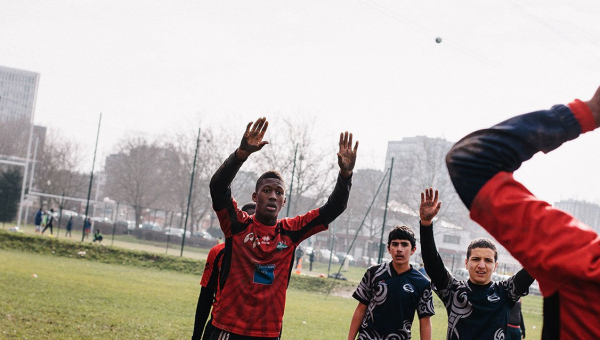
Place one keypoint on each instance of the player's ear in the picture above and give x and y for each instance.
(254, 196)
(413, 250)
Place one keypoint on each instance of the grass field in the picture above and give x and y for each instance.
(73, 299)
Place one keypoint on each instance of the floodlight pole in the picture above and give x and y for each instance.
(115, 224)
(187, 211)
(169, 236)
(60, 212)
(387, 197)
(87, 204)
(289, 201)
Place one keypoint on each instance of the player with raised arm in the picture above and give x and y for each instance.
(260, 249)
(477, 307)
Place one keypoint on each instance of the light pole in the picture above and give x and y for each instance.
(190, 194)
(289, 201)
(87, 204)
(387, 197)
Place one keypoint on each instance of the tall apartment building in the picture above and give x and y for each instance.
(18, 90)
(586, 212)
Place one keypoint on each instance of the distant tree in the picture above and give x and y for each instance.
(10, 193)
(57, 168)
(182, 146)
(135, 174)
(422, 165)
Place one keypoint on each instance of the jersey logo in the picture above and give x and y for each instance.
(408, 288)
(493, 298)
(249, 237)
(264, 274)
(281, 246)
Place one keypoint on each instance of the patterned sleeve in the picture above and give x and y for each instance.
(364, 291)
(445, 293)
(425, 305)
(517, 285)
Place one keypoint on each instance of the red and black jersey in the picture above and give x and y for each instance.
(258, 258)
(210, 276)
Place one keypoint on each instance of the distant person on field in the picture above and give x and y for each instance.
(255, 277)
(311, 259)
(389, 294)
(516, 323)
(49, 221)
(69, 227)
(38, 221)
(299, 254)
(209, 286)
(98, 236)
(87, 227)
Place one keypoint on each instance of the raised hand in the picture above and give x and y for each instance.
(253, 138)
(594, 105)
(346, 155)
(429, 206)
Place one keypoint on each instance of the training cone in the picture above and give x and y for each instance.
(299, 267)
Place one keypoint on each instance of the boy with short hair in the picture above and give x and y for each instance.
(259, 249)
(477, 307)
(390, 293)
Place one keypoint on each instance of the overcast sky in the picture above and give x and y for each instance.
(370, 67)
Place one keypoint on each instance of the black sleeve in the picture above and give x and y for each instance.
(478, 157)
(220, 183)
(434, 266)
(337, 201)
(522, 325)
(205, 301)
(522, 281)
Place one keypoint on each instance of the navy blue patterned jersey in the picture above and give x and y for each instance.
(392, 300)
(478, 311)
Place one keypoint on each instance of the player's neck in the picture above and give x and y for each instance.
(401, 268)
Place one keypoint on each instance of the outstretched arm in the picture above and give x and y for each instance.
(481, 167)
(434, 266)
(252, 141)
(338, 200)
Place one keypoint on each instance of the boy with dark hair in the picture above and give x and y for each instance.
(208, 297)
(259, 249)
(477, 307)
(482, 243)
(561, 252)
(390, 293)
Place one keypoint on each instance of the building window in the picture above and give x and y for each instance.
(452, 239)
